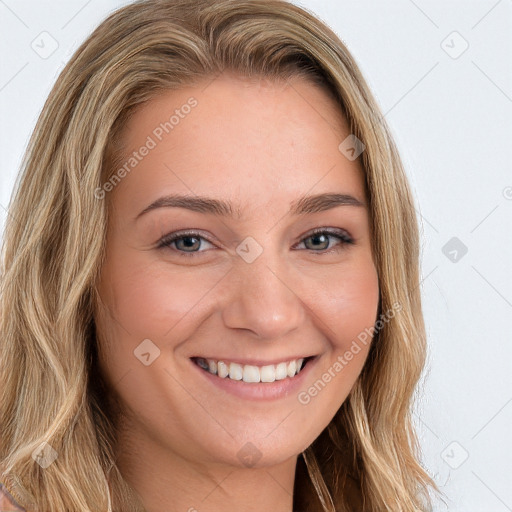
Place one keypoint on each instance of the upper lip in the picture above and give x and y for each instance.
(255, 362)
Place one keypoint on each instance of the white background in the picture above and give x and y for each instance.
(451, 114)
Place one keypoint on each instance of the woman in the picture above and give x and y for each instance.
(143, 373)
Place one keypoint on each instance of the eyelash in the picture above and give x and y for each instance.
(345, 239)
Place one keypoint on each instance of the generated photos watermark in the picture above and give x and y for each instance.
(363, 338)
(157, 135)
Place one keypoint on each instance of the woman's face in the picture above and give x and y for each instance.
(252, 284)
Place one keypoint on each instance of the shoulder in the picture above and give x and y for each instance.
(7, 502)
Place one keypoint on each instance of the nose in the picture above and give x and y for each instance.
(263, 299)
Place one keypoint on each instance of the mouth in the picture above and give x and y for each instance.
(251, 373)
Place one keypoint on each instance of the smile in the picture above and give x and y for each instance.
(252, 373)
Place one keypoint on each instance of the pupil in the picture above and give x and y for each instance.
(187, 240)
(317, 238)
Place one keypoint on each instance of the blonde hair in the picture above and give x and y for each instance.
(367, 458)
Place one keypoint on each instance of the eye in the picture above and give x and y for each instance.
(188, 243)
(320, 240)
(185, 243)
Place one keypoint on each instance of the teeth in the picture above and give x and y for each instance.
(292, 368)
(235, 371)
(212, 366)
(251, 373)
(281, 371)
(268, 373)
(203, 363)
(222, 369)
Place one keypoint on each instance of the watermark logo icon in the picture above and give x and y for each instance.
(507, 193)
(454, 45)
(454, 249)
(454, 455)
(45, 45)
(249, 249)
(146, 352)
(44, 455)
(351, 147)
(249, 454)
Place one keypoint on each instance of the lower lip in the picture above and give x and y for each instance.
(259, 390)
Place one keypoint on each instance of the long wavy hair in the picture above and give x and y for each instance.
(368, 457)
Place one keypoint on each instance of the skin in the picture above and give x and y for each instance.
(261, 145)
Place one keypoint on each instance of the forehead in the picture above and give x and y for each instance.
(259, 141)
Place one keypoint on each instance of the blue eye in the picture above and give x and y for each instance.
(188, 243)
(321, 236)
(192, 241)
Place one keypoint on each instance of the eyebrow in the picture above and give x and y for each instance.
(303, 206)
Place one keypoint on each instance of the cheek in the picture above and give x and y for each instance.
(343, 305)
(347, 303)
(145, 301)
(151, 299)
